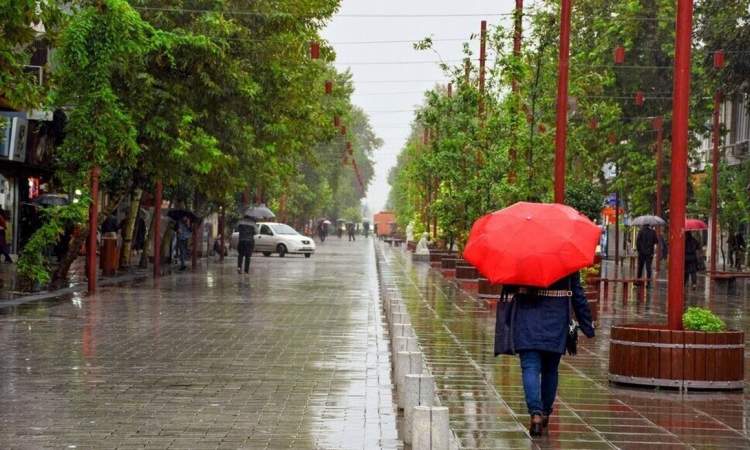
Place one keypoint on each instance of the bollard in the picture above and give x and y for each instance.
(420, 391)
(430, 428)
(407, 363)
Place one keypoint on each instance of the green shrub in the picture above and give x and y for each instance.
(701, 319)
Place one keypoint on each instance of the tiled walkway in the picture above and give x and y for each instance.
(485, 396)
(292, 355)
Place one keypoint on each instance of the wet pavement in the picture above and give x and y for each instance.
(485, 396)
(293, 355)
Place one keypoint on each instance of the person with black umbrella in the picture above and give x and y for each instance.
(644, 244)
(184, 231)
(246, 244)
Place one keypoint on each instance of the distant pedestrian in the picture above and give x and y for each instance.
(3, 238)
(322, 230)
(736, 250)
(691, 259)
(340, 230)
(350, 231)
(644, 244)
(539, 320)
(184, 231)
(246, 244)
(366, 229)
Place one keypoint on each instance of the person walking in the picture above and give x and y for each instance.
(644, 244)
(3, 238)
(350, 231)
(736, 250)
(322, 231)
(246, 244)
(539, 321)
(691, 259)
(184, 231)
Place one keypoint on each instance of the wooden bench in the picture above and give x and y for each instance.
(730, 278)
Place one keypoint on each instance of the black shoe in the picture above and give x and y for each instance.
(536, 428)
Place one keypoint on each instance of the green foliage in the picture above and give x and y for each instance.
(583, 196)
(33, 265)
(701, 319)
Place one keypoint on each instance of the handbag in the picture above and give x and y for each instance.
(504, 328)
(571, 340)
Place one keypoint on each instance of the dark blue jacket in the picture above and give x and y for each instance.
(541, 323)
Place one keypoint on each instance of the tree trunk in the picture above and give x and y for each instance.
(129, 229)
(148, 245)
(60, 276)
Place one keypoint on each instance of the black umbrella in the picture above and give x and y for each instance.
(52, 200)
(178, 214)
(259, 212)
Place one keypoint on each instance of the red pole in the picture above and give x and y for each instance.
(678, 190)
(221, 235)
(659, 127)
(93, 219)
(157, 230)
(196, 236)
(482, 63)
(715, 178)
(561, 133)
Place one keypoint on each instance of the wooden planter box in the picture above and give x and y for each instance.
(655, 356)
(448, 263)
(487, 290)
(466, 272)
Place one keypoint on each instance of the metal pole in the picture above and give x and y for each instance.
(93, 219)
(196, 237)
(715, 178)
(157, 229)
(482, 61)
(617, 233)
(659, 127)
(678, 189)
(561, 132)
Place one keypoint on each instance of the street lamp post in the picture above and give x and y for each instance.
(93, 225)
(561, 132)
(658, 125)
(157, 229)
(715, 178)
(678, 188)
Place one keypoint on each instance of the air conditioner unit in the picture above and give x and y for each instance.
(36, 71)
(741, 149)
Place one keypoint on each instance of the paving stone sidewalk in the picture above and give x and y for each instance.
(293, 355)
(484, 394)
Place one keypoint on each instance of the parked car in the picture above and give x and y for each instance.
(279, 238)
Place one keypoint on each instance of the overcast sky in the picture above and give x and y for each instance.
(389, 93)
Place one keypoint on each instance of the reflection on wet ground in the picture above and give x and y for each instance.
(485, 395)
(293, 355)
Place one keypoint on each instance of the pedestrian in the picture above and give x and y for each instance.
(184, 231)
(644, 244)
(350, 231)
(340, 230)
(366, 229)
(539, 320)
(738, 250)
(3, 238)
(691, 259)
(322, 230)
(246, 244)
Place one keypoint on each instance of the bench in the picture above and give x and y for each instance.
(730, 278)
(639, 283)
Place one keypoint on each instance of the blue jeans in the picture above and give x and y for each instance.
(539, 380)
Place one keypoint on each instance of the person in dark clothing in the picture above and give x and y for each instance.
(691, 259)
(539, 320)
(139, 234)
(644, 244)
(322, 230)
(3, 238)
(736, 250)
(246, 244)
(184, 231)
(366, 229)
(110, 225)
(350, 231)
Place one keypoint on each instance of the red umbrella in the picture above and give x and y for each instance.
(695, 224)
(531, 244)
